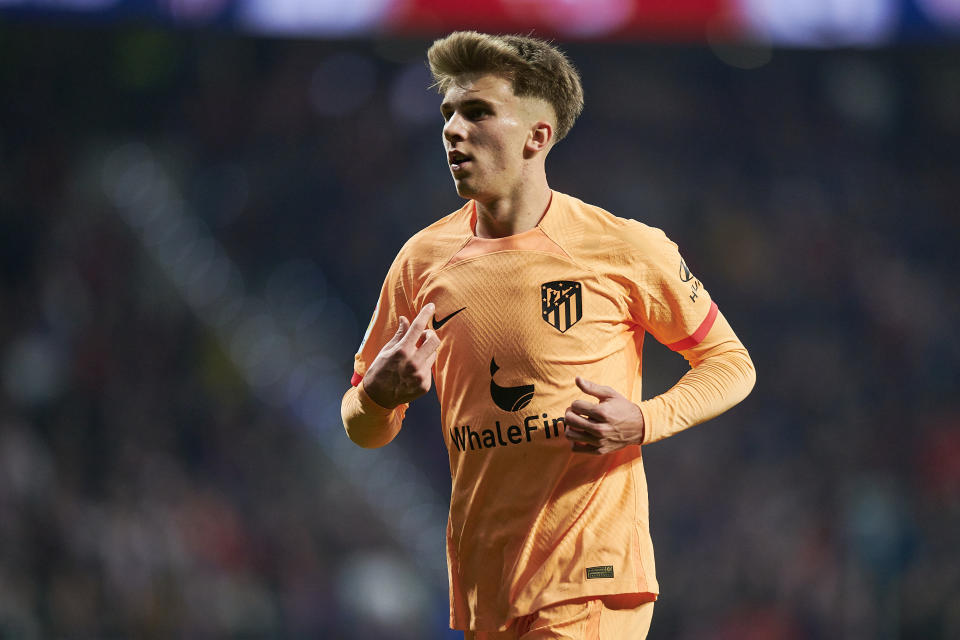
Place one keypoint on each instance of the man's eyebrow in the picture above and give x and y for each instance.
(473, 102)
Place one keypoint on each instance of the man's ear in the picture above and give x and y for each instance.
(541, 135)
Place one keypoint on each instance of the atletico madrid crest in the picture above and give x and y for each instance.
(562, 303)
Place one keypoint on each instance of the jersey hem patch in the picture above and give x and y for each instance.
(603, 571)
(698, 335)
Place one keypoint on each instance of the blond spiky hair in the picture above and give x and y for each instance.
(534, 67)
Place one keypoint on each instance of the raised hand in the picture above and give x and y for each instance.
(401, 371)
(599, 428)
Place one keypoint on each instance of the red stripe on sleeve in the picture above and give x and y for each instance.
(355, 380)
(698, 335)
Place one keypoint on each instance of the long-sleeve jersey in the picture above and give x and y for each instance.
(531, 522)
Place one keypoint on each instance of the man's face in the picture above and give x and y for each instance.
(485, 131)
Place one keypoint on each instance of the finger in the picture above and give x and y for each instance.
(590, 410)
(402, 325)
(428, 346)
(573, 421)
(431, 341)
(585, 448)
(419, 323)
(428, 362)
(596, 390)
(581, 437)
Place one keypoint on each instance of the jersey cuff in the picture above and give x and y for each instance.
(371, 406)
(697, 336)
(647, 425)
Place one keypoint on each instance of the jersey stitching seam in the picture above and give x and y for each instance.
(447, 265)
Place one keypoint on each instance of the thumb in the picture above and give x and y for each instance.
(402, 327)
(594, 389)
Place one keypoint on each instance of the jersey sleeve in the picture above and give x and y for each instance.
(367, 423)
(383, 324)
(721, 375)
(666, 299)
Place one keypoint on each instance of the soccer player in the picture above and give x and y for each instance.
(528, 308)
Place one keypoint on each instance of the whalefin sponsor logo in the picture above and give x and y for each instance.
(536, 427)
(509, 398)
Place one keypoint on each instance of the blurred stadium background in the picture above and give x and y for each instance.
(199, 200)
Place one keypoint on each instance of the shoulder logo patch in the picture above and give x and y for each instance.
(561, 303)
(687, 276)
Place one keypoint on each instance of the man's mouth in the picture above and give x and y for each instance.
(458, 160)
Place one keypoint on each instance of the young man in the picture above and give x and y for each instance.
(528, 309)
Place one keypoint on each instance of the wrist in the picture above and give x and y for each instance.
(369, 403)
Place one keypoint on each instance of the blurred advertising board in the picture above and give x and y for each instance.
(801, 23)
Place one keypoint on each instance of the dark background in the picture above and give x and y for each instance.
(194, 227)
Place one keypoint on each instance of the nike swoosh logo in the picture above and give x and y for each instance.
(439, 323)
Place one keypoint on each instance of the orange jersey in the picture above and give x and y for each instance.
(532, 523)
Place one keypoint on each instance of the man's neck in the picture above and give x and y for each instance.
(514, 214)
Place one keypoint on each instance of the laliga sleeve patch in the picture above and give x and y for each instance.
(373, 320)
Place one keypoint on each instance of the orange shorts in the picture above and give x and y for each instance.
(605, 618)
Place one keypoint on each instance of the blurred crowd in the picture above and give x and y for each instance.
(150, 487)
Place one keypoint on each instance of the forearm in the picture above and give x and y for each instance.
(367, 423)
(722, 376)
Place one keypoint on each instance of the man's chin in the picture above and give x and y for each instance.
(464, 188)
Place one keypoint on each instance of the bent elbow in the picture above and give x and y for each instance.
(368, 438)
(368, 425)
(749, 373)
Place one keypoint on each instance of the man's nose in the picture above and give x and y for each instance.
(453, 128)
